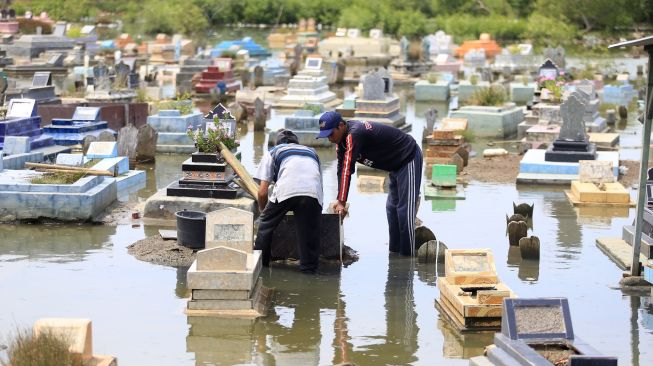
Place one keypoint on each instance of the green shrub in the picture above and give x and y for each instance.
(495, 95)
(545, 31)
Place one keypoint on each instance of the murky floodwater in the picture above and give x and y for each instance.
(379, 310)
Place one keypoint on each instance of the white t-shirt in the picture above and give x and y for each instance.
(299, 173)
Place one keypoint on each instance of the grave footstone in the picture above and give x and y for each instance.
(230, 227)
(221, 259)
(106, 136)
(146, 143)
(70, 159)
(595, 171)
(86, 143)
(16, 145)
(102, 149)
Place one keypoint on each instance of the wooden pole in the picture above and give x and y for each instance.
(68, 169)
(250, 185)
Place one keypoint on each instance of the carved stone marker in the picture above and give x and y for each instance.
(230, 227)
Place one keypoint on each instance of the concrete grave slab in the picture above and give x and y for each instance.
(16, 145)
(542, 318)
(221, 259)
(102, 149)
(225, 280)
(70, 159)
(230, 227)
(118, 165)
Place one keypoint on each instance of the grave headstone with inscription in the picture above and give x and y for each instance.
(22, 121)
(572, 144)
(230, 227)
(379, 103)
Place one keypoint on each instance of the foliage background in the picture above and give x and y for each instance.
(543, 22)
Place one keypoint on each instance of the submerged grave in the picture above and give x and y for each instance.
(72, 131)
(539, 332)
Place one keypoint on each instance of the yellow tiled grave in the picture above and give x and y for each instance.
(613, 194)
(471, 295)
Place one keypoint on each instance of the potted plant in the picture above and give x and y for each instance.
(208, 142)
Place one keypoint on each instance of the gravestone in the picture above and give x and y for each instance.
(572, 144)
(122, 75)
(127, 140)
(42, 78)
(431, 116)
(595, 171)
(258, 76)
(470, 266)
(221, 259)
(404, 44)
(146, 143)
(101, 75)
(259, 115)
(556, 55)
(77, 331)
(426, 49)
(86, 114)
(16, 145)
(56, 59)
(70, 159)
(106, 136)
(548, 70)
(373, 87)
(59, 29)
(102, 149)
(230, 227)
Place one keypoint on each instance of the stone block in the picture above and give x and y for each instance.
(221, 259)
(223, 294)
(616, 193)
(491, 121)
(284, 239)
(587, 192)
(453, 124)
(230, 227)
(70, 159)
(595, 171)
(78, 333)
(16, 145)
(443, 175)
(522, 93)
(169, 113)
(225, 280)
(118, 165)
(102, 149)
(438, 92)
(17, 161)
(220, 304)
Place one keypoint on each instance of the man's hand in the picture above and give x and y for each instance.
(341, 209)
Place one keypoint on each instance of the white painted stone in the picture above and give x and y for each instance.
(118, 165)
(494, 152)
(77, 331)
(596, 171)
(16, 145)
(221, 259)
(70, 159)
(102, 149)
(230, 227)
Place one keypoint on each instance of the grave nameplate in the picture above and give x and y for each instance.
(86, 114)
(42, 78)
(470, 266)
(313, 63)
(548, 70)
(21, 108)
(230, 227)
(595, 171)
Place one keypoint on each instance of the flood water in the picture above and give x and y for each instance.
(379, 310)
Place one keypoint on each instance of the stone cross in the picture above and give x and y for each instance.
(573, 126)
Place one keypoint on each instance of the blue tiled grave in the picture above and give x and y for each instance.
(171, 126)
(22, 120)
(71, 131)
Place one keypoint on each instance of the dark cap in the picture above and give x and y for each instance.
(286, 137)
(328, 121)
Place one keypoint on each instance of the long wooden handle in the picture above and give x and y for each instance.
(250, 186)
(68, 169)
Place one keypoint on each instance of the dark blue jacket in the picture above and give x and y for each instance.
(374, 144)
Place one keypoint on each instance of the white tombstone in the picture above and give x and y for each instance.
(77, 331)
(595, 171)
(70, 159)
(102, 149)
(353, 33)
(230, 227)
(221, 259)
(17, 145)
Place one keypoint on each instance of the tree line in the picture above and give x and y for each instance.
(542, 21)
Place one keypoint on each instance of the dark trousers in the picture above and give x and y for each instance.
(307, 215)
(401, 206)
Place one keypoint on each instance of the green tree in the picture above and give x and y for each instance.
(588, 14)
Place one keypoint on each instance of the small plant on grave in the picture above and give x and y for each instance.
(468, 135)
(183, 103)
(493, 96)
(514, 49)
(141, 96)
(473, 79)
(228, 54)
(46, 349)
(432, 78)
(554, 86)
(209, 141)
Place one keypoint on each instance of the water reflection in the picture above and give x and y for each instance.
(56, 243)
(463, 345)
(529, 270)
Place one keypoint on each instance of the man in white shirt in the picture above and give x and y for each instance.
(295, 170)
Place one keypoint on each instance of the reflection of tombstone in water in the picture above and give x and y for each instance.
(528, 270)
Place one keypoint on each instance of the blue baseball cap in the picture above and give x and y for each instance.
(328, 121)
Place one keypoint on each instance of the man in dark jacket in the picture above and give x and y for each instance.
(382, 147)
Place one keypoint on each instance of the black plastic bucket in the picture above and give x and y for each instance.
(191, 229)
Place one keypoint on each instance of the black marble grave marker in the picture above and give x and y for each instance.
(572, 145)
